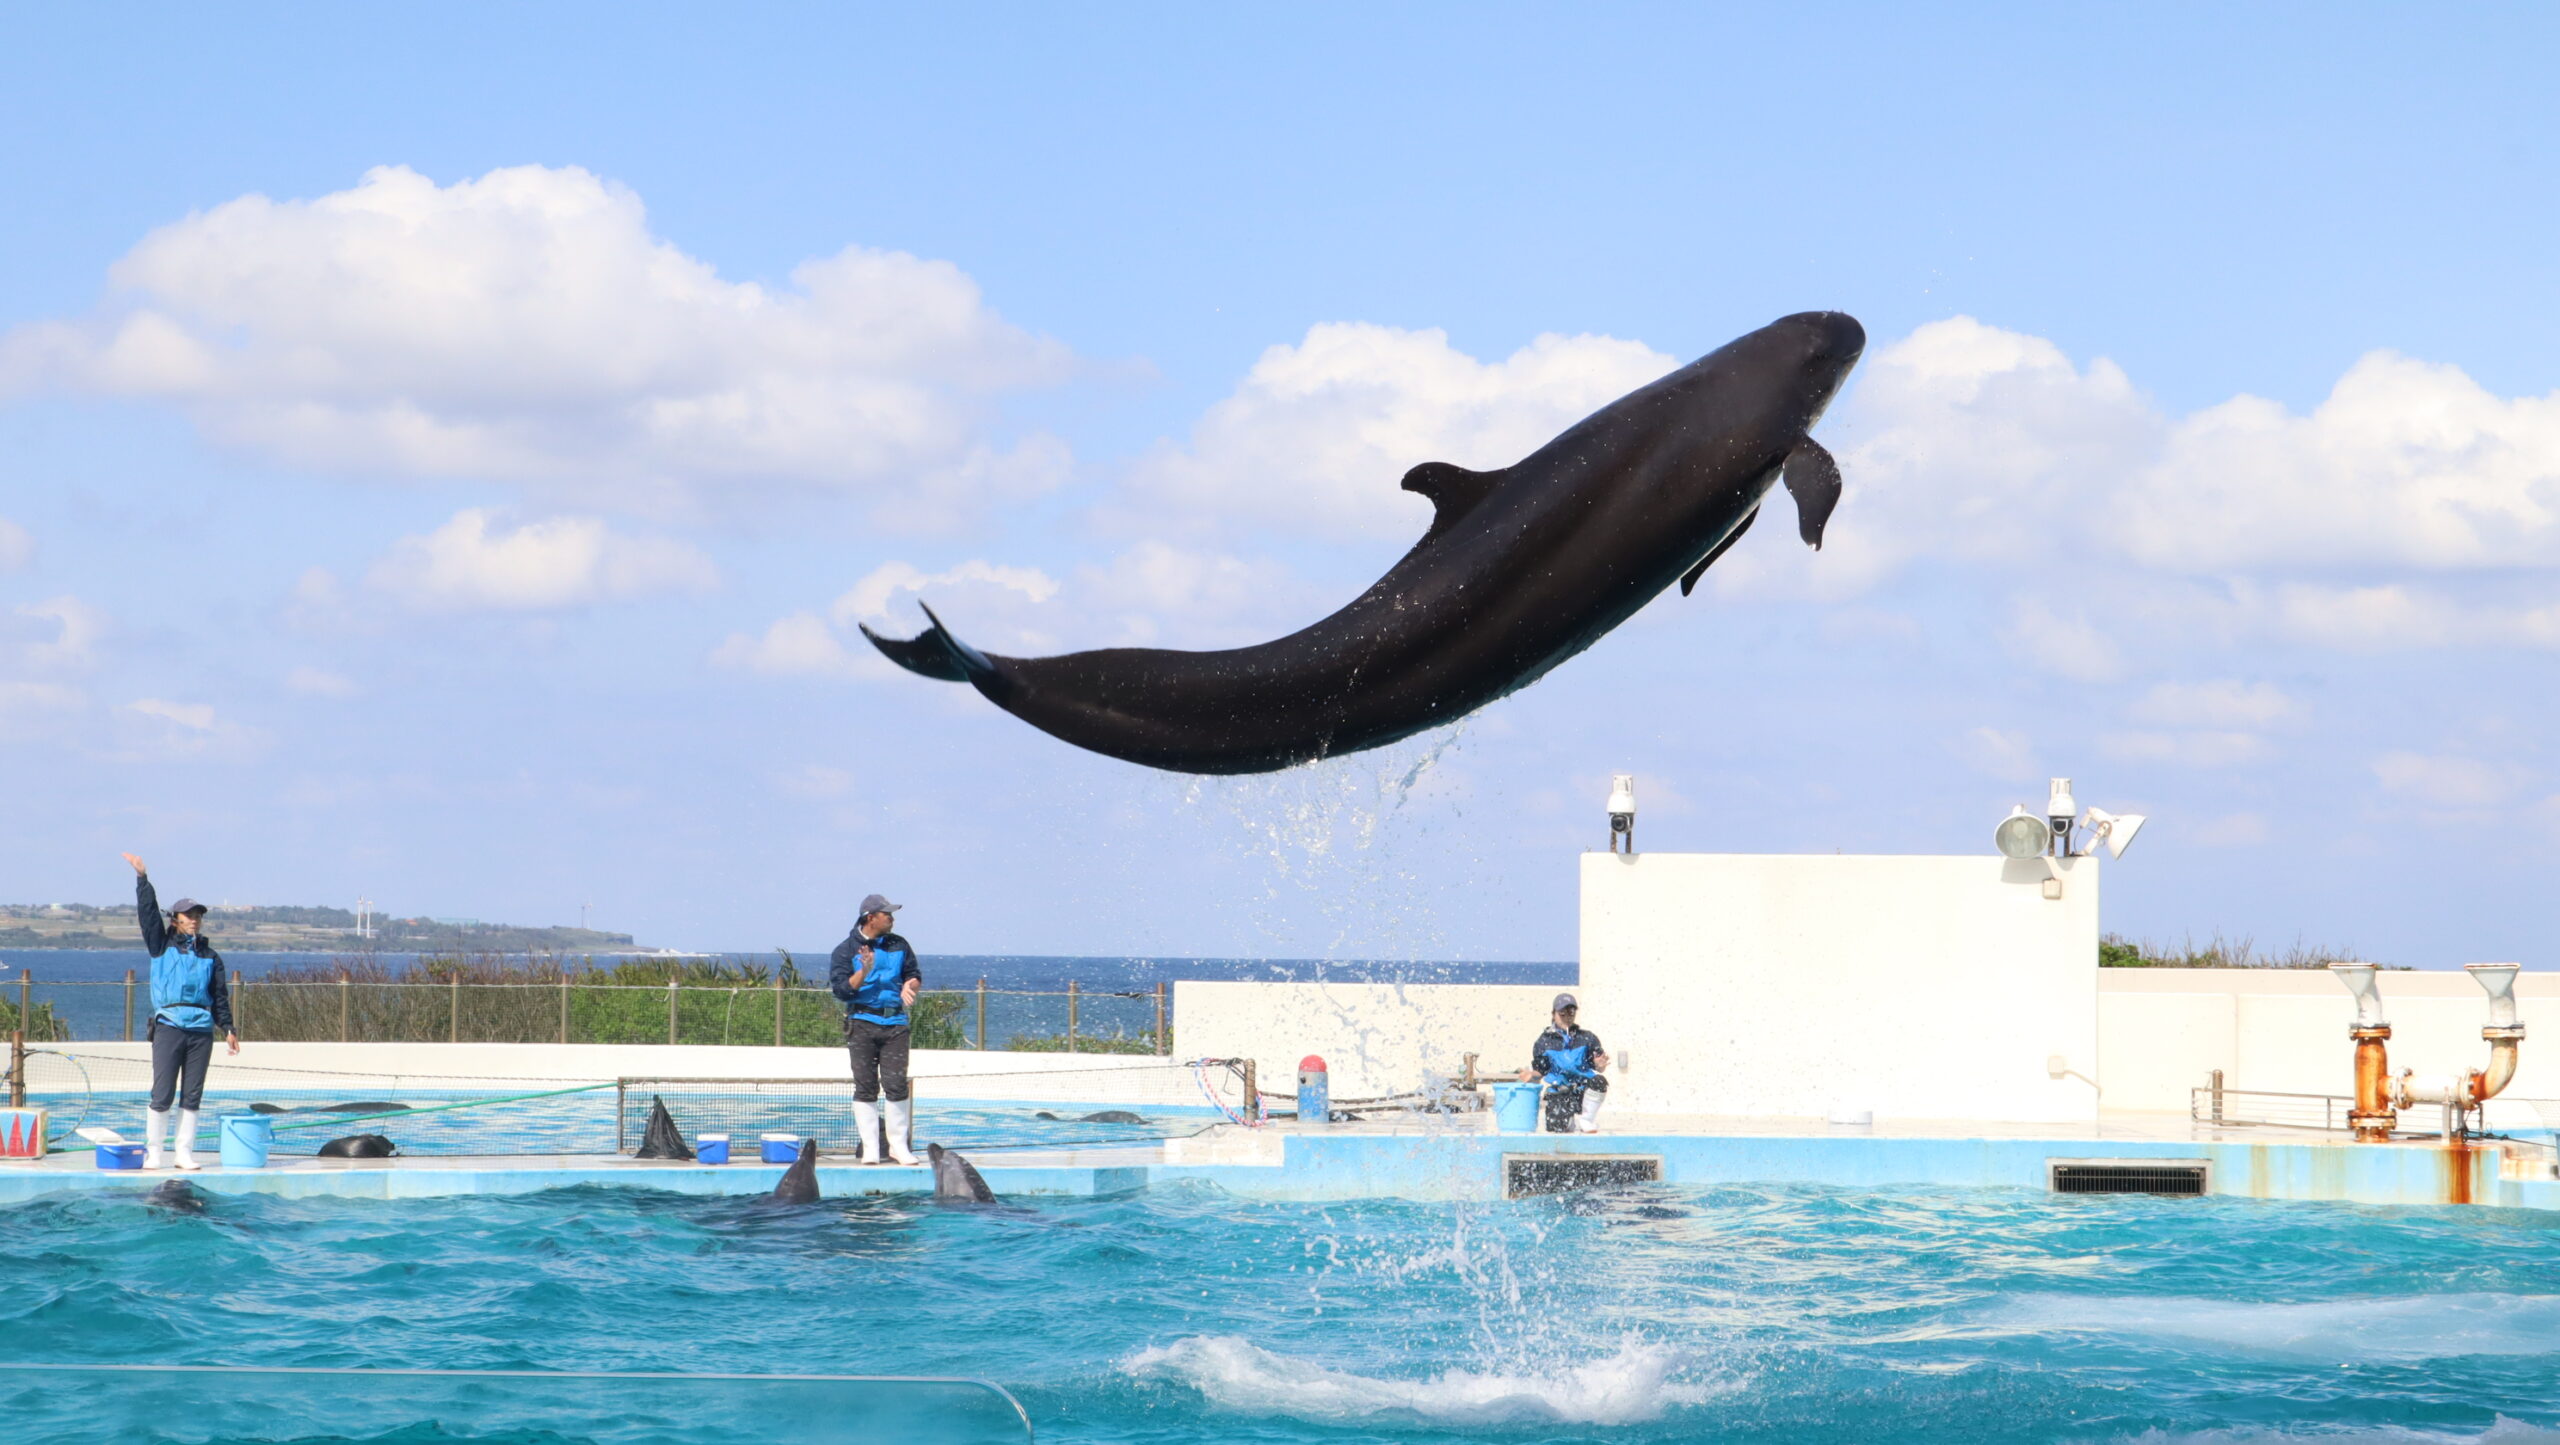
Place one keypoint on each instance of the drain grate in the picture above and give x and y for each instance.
(1526, 1174)
(2129, 1176)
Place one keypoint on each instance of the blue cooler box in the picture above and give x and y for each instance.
(119, 1156)
(782, 1148)
(712, 1148)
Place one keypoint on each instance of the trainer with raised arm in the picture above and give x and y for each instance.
(876, 974)
(1569, 1058)
(190, 998)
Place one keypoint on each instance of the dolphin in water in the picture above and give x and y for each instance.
(957, 1179)
(799, 1182)
(1107, 1116)
(1521, 569)
(176, 1196)
(362, 1106)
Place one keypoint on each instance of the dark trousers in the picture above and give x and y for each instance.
(176, 1051)
(879, 1059)
(1565, 1100)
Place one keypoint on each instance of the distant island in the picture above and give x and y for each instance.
(269, 928)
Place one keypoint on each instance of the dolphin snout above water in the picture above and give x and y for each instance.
(1520, 570)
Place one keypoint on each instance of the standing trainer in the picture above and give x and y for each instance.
(1569, 1057)
(875, 972)
(190, 998)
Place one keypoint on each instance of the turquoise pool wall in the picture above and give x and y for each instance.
(1315, 1166)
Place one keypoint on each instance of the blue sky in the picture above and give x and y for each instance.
(442, 454)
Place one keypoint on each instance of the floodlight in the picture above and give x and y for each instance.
(1622, 810)
(2116, 830)
(2022, 835)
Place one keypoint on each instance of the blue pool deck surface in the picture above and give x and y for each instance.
(1463, 1158)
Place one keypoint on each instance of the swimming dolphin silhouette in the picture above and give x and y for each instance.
(956, 1178)
(176, 1196)
(1521, 569)
(799, 1182)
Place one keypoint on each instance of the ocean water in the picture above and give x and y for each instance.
(1187, 1314)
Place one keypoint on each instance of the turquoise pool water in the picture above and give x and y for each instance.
(1183, 1314)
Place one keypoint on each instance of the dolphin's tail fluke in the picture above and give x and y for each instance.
(935, 653)
(924, 655)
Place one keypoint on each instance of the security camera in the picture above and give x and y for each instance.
(2059, 810)
(1622, 811)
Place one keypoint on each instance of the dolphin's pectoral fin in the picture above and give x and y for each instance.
(1813, 478)
(924, 655)
(1690, 578)
(1453, 491)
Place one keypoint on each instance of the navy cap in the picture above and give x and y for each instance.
(1563, 1001)
(186, 905)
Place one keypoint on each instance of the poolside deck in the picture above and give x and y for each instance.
(1462, 1158)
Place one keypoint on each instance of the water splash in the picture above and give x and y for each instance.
(1633, 1384)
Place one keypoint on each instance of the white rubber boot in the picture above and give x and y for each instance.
(1588, 1121)
(900, 1113)
(155, 1126)
(866, 1132)
(186, 1140)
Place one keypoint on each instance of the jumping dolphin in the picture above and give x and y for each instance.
(1520, 569)
(956, 1178)
(799, 1182)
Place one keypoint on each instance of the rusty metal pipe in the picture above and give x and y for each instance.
(2373, 1118)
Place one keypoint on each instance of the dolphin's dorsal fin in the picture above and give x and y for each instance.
(1690, 578)
(1453, 490)
(1813, 479)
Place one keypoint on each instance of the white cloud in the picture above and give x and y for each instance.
(800, 645)
(2226, 704)
(2001, 754)
(317, 682)
(526, 326)
(1150, 595)
(1317, 435)
(16, 547)
(467, 565)
(2232, 830)
(2406, 464)
(2446, 782)
(195, 717)
(75, 626)
(815, 780)
(2069, 646)
(2203, 748)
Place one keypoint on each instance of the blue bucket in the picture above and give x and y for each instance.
(246, 1138)
(1515, 1108)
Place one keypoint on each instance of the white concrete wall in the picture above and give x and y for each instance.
(1915, 987)
(1376, 1038)
(2162, 1030)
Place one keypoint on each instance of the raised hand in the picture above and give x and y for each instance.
(138, 869)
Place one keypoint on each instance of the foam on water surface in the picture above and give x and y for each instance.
(1633, 1383)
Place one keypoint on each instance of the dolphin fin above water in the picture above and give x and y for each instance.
(956, 1178)
(799, 1182)
(1520, 570)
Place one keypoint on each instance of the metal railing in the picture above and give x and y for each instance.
(572, 1009)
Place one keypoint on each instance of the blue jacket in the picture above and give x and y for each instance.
(877, 1001)
(188, 988)
(1563, 1059)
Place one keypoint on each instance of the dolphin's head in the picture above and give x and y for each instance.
(1817, 349)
